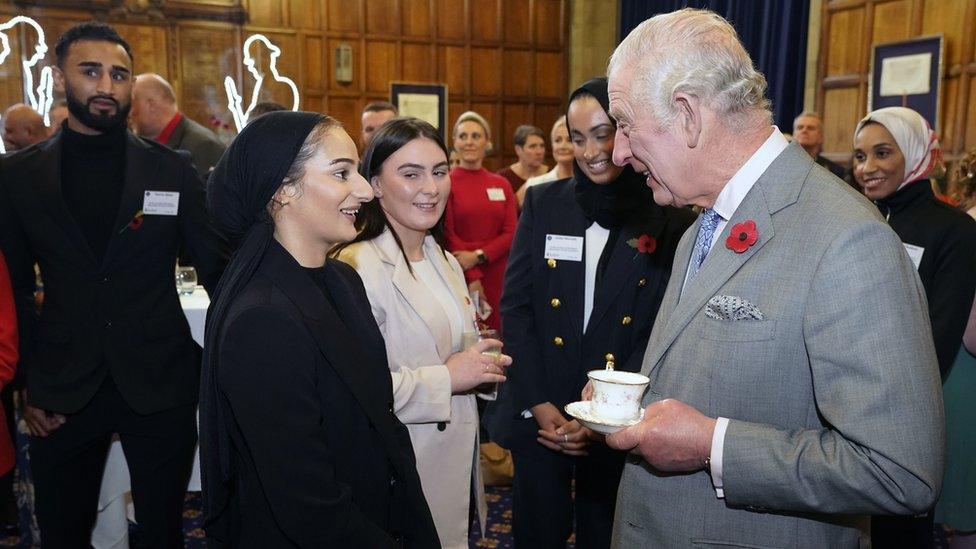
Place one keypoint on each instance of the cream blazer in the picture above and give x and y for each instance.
(443, 428)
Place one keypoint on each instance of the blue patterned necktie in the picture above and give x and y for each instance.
(708, 221)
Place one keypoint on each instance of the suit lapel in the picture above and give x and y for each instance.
(47, 167)
(778, 187)
(140, 173)
(176, 138)
(623, 260)
(454, 280)
(415, 293)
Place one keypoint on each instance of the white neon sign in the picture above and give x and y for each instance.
(42, 98)
(234, 99)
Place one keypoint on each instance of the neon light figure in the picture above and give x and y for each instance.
(42, 98)
(234, 99)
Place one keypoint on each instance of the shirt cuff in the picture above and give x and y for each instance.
(715, 458)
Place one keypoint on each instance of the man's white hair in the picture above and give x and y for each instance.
(695, 52)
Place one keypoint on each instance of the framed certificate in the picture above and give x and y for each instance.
(908, 74)
(427, 102)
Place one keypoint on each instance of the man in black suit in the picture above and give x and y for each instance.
(103, 213)
(157, 116)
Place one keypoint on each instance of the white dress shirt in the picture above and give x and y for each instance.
(725, 206)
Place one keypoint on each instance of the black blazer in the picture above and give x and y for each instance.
(320, 459)
(121, 315)
(542, 303)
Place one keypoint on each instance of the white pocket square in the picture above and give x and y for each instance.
(730, 307)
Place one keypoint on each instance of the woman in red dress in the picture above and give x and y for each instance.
(8, 360)
(480, 219)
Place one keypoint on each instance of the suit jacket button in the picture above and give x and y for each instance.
(558, 341)
(642, 282)
(441, 425)
(625, 320)
(555, 303)
(551, 263)
(609, 357)
(108, 324)
(104, 279)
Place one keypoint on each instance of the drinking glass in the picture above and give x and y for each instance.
(487, 391)
(186, 280)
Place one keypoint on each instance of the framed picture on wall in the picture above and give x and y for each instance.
(908, 74)
(427, 102)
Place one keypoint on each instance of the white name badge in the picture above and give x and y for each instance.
(568, 248)
(161, 203)
(914, 252)
(496, 194)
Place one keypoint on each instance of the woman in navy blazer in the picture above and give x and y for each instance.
(563, 316)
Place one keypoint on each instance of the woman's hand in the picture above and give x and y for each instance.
(466, 258)
(570, 438)
(475, 286)
(471, 368)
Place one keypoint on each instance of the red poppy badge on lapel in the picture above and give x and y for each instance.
(645, 244)
(742, 236)
(134, 223)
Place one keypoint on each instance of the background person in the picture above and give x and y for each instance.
(563, 318)
(374, 116)
(420, 301)
(894, 152)
(299, 443)
(530, 148)
(480, 219)
(157, 116)
(562, 153)
(22, 127)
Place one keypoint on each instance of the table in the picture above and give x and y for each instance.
(115, 499)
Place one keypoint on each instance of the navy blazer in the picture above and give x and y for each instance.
(542, 302)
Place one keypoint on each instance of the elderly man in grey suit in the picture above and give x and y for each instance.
(794, 387)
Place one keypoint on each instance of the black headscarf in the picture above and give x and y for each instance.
(610, 205)
(240, 187)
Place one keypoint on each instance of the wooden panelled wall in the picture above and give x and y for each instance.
(851, 28)
(506, 59)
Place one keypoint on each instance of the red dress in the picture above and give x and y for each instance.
(8, 360)
(481, 214)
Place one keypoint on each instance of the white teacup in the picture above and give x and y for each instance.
(617, 395)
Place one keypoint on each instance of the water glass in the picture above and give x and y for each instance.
(186, 280)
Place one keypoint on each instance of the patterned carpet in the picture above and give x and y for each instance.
(498, 535)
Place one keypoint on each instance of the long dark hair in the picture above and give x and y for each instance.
(391, 137)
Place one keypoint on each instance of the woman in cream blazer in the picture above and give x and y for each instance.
(419, 298)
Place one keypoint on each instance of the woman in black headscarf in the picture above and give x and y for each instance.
(299, 443)
(565, 313)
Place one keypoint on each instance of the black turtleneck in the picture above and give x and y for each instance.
(92, 178)
(948, 237)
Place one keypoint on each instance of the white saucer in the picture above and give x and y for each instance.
(581, 410)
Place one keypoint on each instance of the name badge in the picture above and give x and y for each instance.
(567, 248)
(496, 194)
(161, 203)
(914, 252)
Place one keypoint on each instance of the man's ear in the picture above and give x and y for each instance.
(689, 118)
(58, 78)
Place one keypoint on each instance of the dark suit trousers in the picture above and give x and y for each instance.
(68, 466)
(543, 503)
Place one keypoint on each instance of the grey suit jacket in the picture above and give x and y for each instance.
(834, 399)
(202, 143)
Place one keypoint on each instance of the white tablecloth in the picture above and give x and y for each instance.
(115, 500)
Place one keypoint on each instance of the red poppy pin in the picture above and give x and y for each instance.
(742, 236)
(645, 244)
(134, 223)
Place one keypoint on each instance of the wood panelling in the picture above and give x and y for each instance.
(853, 27)
(505, 59)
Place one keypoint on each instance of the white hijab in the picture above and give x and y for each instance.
(914, 137)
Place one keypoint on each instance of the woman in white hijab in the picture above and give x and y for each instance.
(895, 151)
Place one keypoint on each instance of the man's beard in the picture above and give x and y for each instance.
(103, 121)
